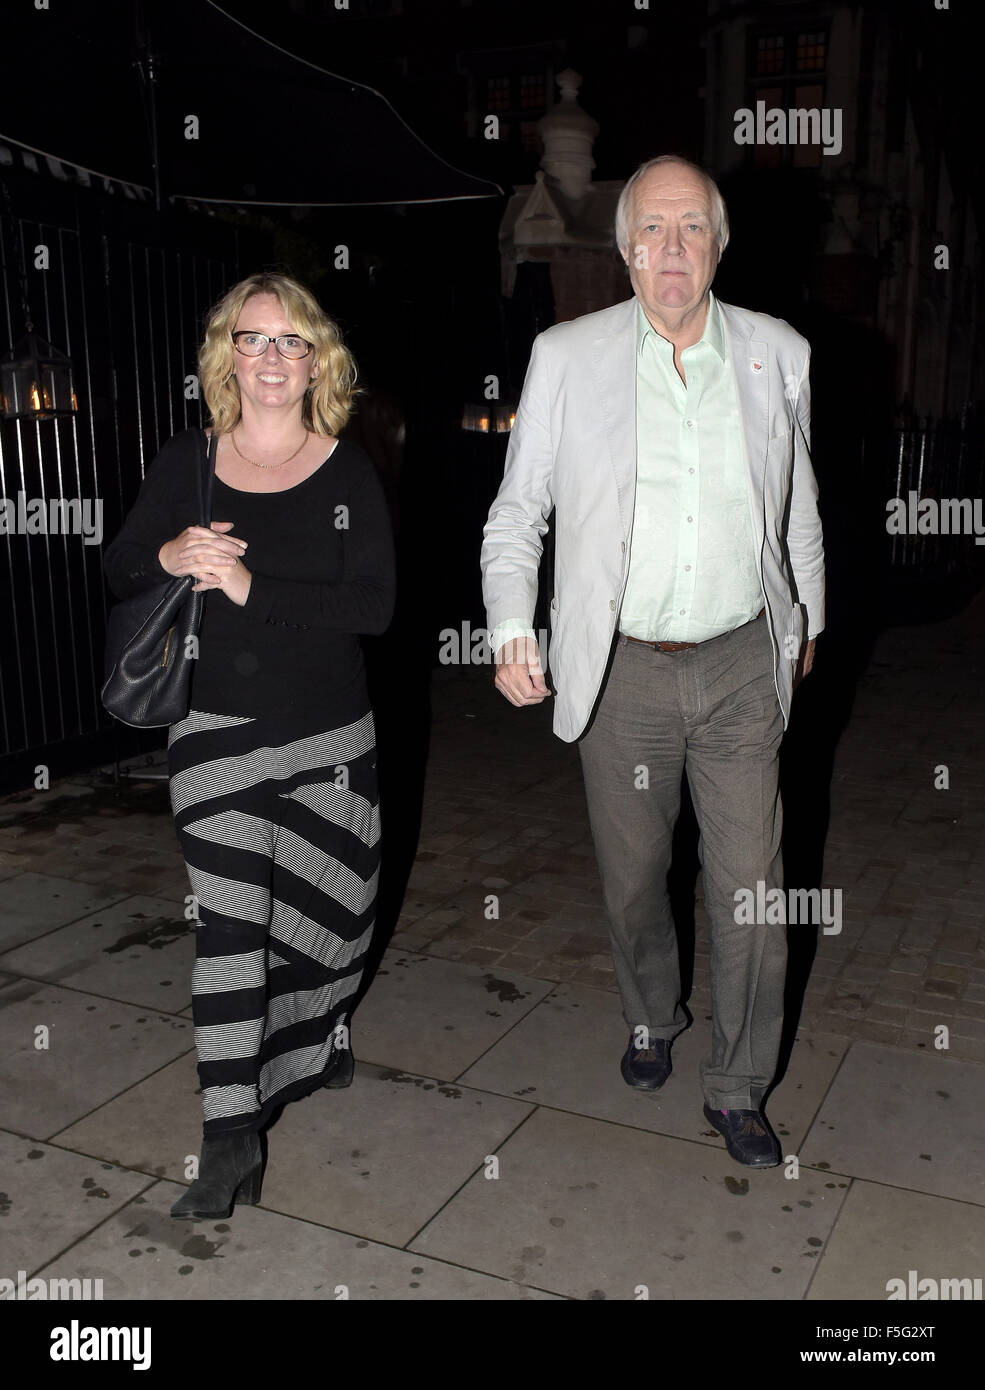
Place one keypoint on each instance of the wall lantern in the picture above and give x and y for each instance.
(36, 381)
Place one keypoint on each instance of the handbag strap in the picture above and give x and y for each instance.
(206, 477)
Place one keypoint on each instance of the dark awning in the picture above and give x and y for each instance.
(71, 90)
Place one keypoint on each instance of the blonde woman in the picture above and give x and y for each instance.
(273, 771)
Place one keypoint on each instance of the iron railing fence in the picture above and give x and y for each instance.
(126, 302)
(942, 463)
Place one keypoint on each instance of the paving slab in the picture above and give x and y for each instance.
(436, 1017)
(96, 1048)
(381, 1157)
(34, 904)
(142, 1253)
(14, 808)
(12, 864)
(153, 1127)
(904, 1118)
(377, 1159)
(566, 1053)
(50, 1199)
(884, 1232)
(595, 1210)
(140, 951)
(159, 883)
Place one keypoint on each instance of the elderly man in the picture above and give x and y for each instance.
(671, 436)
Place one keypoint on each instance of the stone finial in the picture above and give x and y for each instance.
(568, 134)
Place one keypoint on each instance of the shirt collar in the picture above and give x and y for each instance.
(713, 333)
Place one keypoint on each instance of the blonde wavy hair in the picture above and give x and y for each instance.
(328, 400)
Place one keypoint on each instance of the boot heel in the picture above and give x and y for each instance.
(248, 1192)
(342, 1072)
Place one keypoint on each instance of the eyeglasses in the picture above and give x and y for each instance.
(256, 344)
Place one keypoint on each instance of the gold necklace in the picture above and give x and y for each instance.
(232, 436)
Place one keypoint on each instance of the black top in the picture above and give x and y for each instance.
(321, 557)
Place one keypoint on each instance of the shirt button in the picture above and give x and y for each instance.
(690, 518)
(690, 470)
(687, 567)
(612, 604)
(690, 424)
(683, 611)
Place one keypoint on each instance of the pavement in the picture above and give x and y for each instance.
(488, 1148)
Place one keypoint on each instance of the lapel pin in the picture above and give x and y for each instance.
(755, 364)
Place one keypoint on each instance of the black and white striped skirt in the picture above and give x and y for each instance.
(279, 825)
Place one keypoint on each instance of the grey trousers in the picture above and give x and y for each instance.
(712, 711)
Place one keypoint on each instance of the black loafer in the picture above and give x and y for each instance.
(747, 1136)
(646, 1068)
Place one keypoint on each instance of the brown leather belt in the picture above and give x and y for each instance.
(678, 646)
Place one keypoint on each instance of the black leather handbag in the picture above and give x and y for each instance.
(148, 666)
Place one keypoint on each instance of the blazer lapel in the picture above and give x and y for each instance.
(614, 369)
(751, 369)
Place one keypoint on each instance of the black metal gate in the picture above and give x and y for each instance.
(123, 293)
(938, 459)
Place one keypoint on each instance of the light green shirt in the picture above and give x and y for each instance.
(692, 564)
(692, 567)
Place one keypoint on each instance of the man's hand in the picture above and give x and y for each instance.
(519, 674)
(804, 663)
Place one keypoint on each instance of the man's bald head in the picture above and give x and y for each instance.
(627, 196)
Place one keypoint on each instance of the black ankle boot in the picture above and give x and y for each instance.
(341, 1071)
(229, 1170)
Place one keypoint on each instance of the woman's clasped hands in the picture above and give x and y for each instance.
(213, 556)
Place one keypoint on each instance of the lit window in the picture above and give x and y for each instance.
(811, 52)
(769, 54)
(531, 90)
(498, 94)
